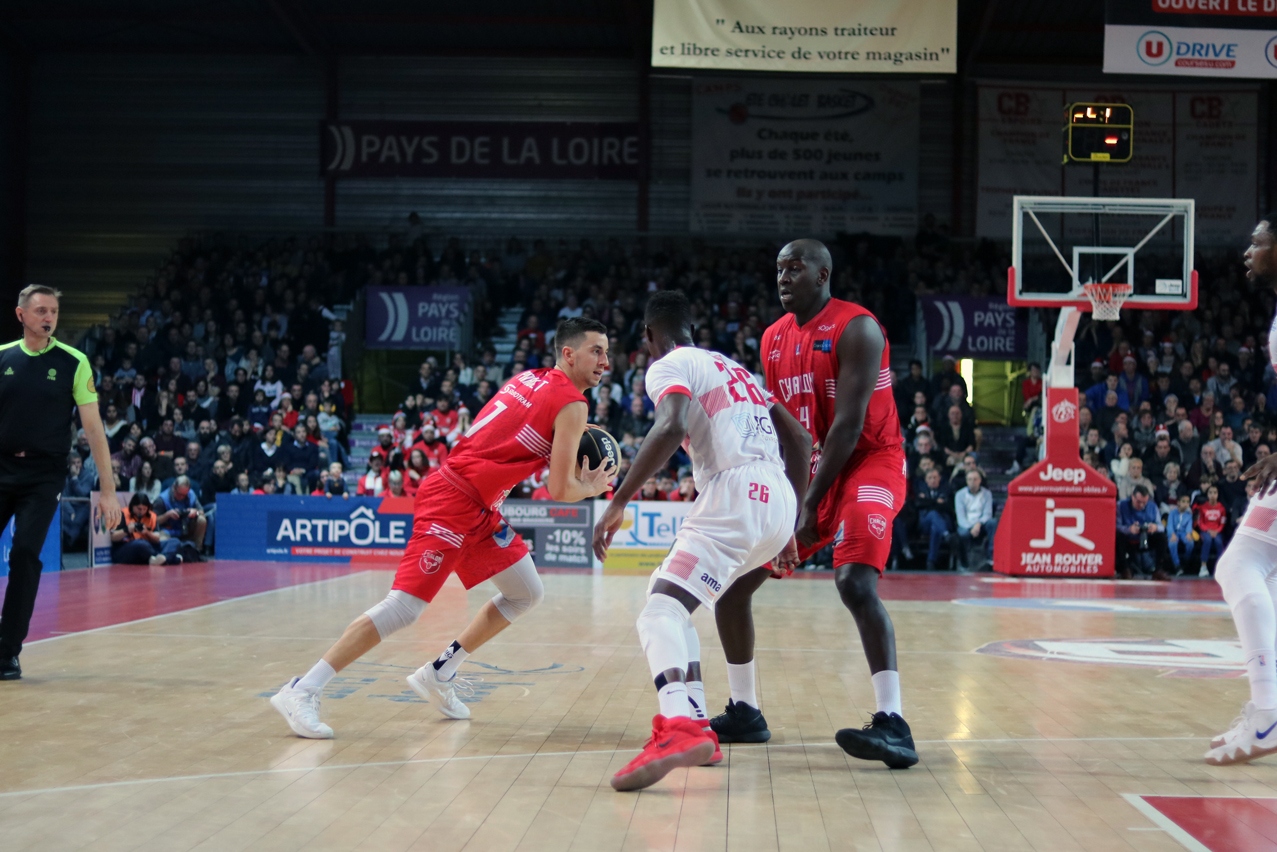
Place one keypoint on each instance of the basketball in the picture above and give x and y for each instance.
(596, 444)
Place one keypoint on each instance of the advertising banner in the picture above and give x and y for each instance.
(50, 552)
(805, 156)
(480, 149)
(415, 317)
(1189, 142)
(974, 327)
(558, 534)
(645, 537)
(1201, 38)
(833, 36)
(376, 529)
(99, 535)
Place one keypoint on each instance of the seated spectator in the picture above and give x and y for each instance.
(1141, 540)
(1162, 454)
(1181, 540)
(198, 463)
(1134, 477)
(180, 515)
(390, 453)
(1031, 387)
(332, 483)
(417, 469)
(1211, 518)
(651, 490)
(432, 447)
(605, 412)
(128, 457)
(180, 468)
(243, 485)
(974, 510)
(137, 541)
(221, 480)
(933, 503)
(1205, 468)
(1232, 490)
(1093, 442)
(1254, 437)
(447, 422)
(1225, 447)
(958, 476)
(268, 454)
(144, 481)
(1168, 493)
(259, 412)
(924, 446)
(75, 502)
(956, 437)
(372, 483)
(686, 491)
(167, 441)
(281, 483)
(301, 460)
(637, 420)
(395, 485)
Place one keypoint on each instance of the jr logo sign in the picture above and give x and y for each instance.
(1076, 520)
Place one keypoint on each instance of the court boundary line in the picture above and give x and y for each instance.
(191, 609)
(421, 761)
(1165, 823)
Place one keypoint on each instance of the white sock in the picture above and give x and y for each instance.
(318, 676)
(740, 681)
(450, 660)
(887, 691)
(673, 698)
(695, 688)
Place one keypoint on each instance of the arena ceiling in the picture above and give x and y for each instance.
(992, 32)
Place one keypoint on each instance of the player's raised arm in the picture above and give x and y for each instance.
(859, 365)
(795, 447)
(564, 484)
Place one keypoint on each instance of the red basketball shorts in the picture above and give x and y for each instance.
(857, 513)
(452, 534)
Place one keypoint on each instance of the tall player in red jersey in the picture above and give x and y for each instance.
(828, 363)
(538, 415)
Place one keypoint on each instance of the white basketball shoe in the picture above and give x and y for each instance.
(442, 693)
(300, 708)
(1254, 737)
(1219, 739)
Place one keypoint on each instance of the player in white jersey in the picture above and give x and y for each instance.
(1247, 572)
(735, 433)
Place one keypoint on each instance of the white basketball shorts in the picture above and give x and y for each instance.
(741, 521)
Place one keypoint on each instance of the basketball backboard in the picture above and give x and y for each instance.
(1062, 243)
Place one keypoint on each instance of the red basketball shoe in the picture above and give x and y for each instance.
(675, 742)
(709, 732)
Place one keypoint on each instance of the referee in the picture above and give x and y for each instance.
(41, 382)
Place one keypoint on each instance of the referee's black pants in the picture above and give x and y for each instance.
(29, 492)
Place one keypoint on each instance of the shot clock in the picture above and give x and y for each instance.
(1098, 133)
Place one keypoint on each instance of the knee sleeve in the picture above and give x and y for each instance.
(661, 627)
(1244, 569)
(397, 611)
(519, 589)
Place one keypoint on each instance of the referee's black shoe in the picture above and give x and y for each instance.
(886, 738)
(740, 723)
(9, 668)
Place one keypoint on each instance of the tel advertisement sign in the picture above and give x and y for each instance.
(645, 537)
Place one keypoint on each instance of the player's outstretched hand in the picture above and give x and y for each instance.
(606, 529)
(805, 534)
(599, 479)
(785, 563)
(1264, 472)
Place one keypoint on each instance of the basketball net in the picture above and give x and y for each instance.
(1106, 299)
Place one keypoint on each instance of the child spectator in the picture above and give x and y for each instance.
(1211, 518)
(1181, 540)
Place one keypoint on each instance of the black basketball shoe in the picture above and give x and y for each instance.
(740, 723)
(9, 668)
(886, 738)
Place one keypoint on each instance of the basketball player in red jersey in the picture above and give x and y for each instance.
(828, 363)
(538, 415)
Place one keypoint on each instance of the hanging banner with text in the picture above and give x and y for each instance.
(790, 157)
(415, 317)
(1200, 38)
(479, 149)
(1189, 142)
(974, 328)
(905, 36)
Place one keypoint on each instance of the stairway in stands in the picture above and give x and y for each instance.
(363, 437)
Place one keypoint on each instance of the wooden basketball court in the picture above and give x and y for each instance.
(1048, 715)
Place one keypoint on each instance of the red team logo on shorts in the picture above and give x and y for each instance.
(430, 561)
(878, 526)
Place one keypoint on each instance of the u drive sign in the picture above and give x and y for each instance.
(480, 149)
(415, 317)
(974, 327)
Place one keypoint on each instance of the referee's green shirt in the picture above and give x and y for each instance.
(38, 394)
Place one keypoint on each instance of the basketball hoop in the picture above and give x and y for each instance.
(1106, 299)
